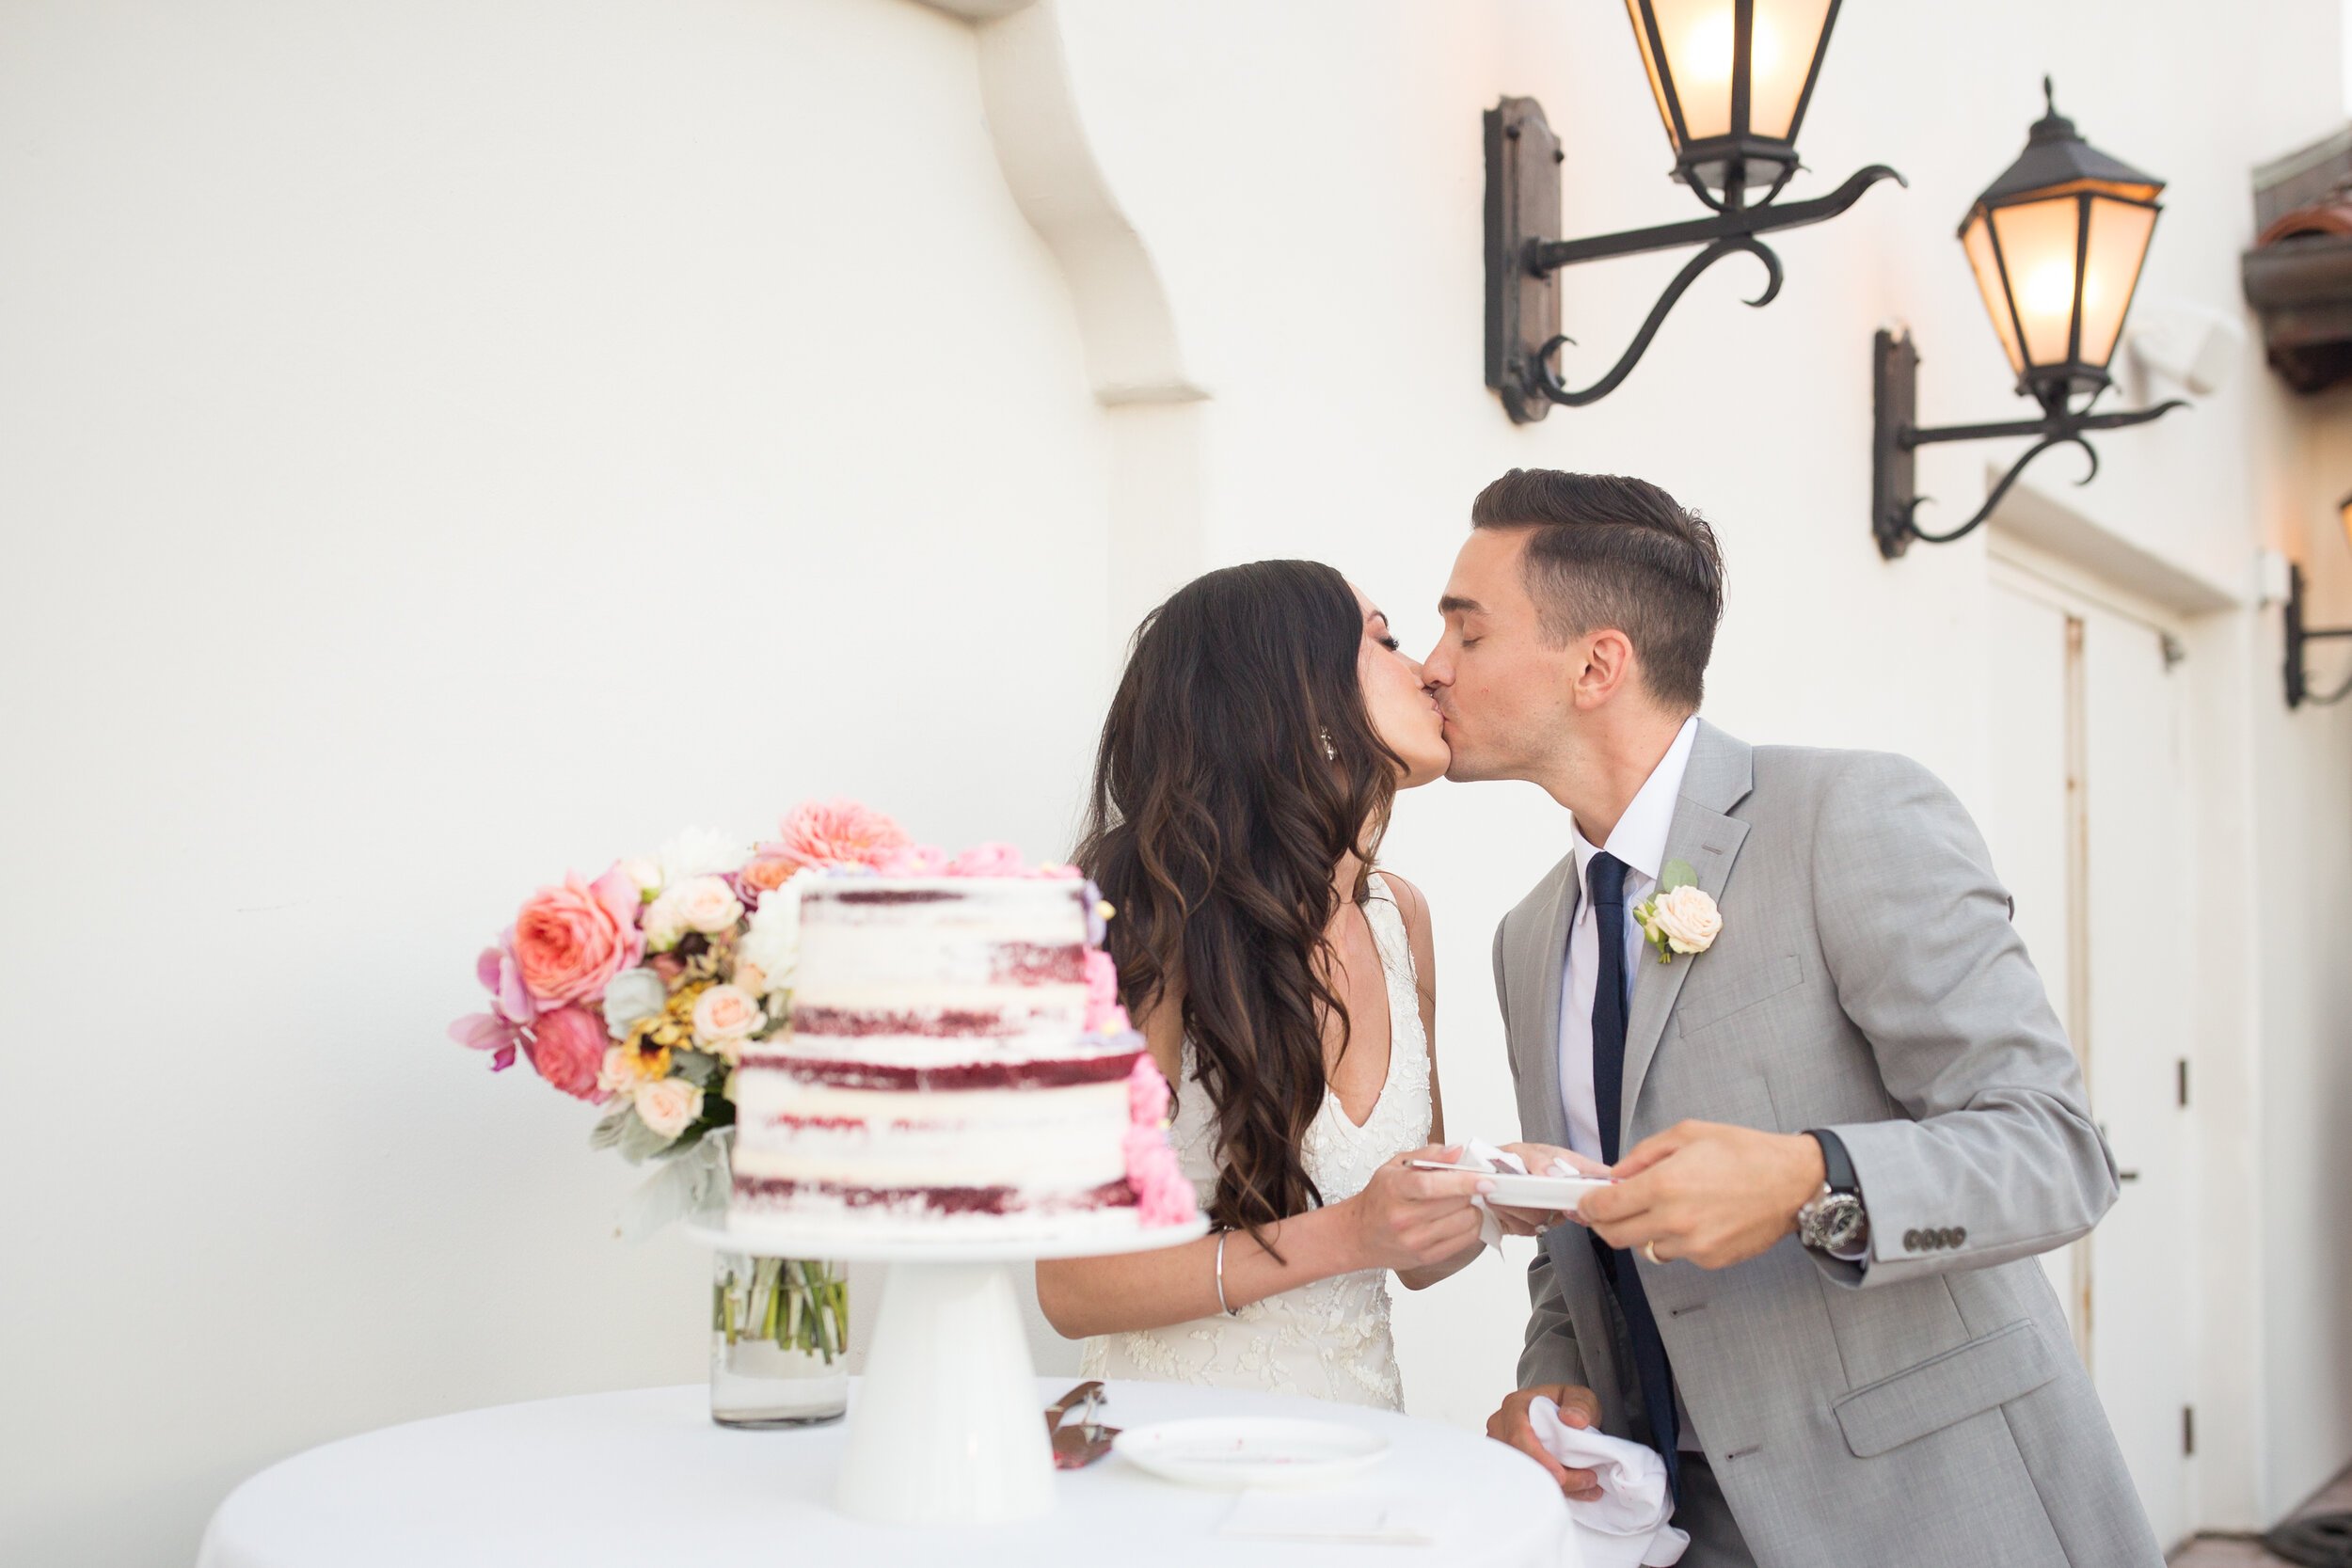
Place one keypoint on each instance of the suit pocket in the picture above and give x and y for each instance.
(1766, 981)
(2007, 1364)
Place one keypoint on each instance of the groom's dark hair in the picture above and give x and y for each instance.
(1606, 550)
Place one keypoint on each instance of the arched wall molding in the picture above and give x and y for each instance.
(1135, 360)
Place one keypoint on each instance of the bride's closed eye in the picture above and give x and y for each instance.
(1390, 644)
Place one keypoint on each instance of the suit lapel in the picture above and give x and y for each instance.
(1535, 970)
(1720, 775)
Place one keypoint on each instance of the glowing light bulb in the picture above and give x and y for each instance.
(1706, 52)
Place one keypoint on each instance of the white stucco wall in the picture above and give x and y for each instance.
(444, 444)
(366, 378)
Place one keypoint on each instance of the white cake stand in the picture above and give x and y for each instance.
(947, 1430)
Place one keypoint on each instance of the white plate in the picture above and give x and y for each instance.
(1231, 1452)
(1562, 1192)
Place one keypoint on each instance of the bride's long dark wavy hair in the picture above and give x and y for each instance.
(1238, 765)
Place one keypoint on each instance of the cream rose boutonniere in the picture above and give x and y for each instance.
(1682, 918)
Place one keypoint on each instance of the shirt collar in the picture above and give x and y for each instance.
(1639, 837)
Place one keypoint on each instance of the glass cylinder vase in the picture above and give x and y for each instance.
(779, 1341)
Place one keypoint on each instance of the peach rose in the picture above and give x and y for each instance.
(1688, 918)
(770, 872)
(707, 905)
(567, 1047)
(569, 940)
(667, 1106)
(723, 1015)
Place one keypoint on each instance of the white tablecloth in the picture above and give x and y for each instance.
(644, 1478)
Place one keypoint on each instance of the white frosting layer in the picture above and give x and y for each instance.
(1039, 1140)
(914, 1220)
(858, 934)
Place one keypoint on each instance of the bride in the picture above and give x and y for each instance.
(1263, 725)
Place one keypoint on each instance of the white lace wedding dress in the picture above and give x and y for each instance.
(1328, 1339)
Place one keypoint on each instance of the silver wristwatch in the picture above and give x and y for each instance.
(1833, 1221)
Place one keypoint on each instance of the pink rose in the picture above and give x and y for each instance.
(913, 859)
(667, 1106)
(987, 860)
(1147, 1093)
(569, 940)
(725, 1014)
(833, 832)
(567, 1047)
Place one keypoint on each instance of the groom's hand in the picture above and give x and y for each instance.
(1579, 1407)
(1708, 1194)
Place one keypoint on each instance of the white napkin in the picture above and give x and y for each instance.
(1477, 1154)
(1626, 1526)
(1348, 1518)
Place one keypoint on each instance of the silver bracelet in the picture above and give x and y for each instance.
(1220, 1275)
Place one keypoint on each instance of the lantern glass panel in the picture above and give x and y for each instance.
(1699, 38)
(1788, 35)
(2119, 242)
(1650, 63)
(2037, 243)
(1978, 240)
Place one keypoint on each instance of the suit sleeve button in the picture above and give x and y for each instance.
(1959, 1234)
(1911, 1241)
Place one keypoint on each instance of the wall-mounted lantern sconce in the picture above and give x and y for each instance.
(2299, 635)
(1732, 79)
(2056, 242)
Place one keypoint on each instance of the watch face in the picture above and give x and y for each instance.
(1842, 1223)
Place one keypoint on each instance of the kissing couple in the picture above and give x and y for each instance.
(1842, 1116)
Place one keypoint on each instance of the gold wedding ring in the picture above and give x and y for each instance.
(1649, 1250)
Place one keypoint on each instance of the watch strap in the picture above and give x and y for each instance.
(1836, 1165)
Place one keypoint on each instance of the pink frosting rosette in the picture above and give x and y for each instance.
(987, 860)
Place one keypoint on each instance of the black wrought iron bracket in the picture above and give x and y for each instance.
(2298, 637)
(1524, 257)
(1895, 434)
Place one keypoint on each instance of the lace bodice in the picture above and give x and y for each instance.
(1328, 1339)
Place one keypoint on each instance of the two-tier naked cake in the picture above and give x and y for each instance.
(956, 1065)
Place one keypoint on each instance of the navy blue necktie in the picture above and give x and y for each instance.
(1609, 993)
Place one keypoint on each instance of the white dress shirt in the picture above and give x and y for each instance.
(1639, 841)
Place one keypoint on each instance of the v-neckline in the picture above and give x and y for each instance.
(1388, 1004)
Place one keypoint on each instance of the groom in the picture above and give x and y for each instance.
(1843, 1127)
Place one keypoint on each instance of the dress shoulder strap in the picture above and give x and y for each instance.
(1387, 919)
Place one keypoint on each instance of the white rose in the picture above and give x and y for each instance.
(698, 852)
(1689, 919)
(707, 905)
(645, 871)
(634, 996)
(667, 1106)
(771, 943)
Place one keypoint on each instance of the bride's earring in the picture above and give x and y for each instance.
(1330, 752)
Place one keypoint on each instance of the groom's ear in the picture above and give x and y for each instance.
(1608, 667)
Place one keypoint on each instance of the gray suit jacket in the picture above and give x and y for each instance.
(1926, 1409)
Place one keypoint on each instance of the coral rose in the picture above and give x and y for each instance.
(567, 1048)
(569, 940)
(770, 872)
(835, 832)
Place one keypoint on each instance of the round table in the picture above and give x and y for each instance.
(645, 1477)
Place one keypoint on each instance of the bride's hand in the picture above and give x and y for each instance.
(1411, 1219)
(1542, 1159)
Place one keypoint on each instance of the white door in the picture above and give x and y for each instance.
(2089, 827)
